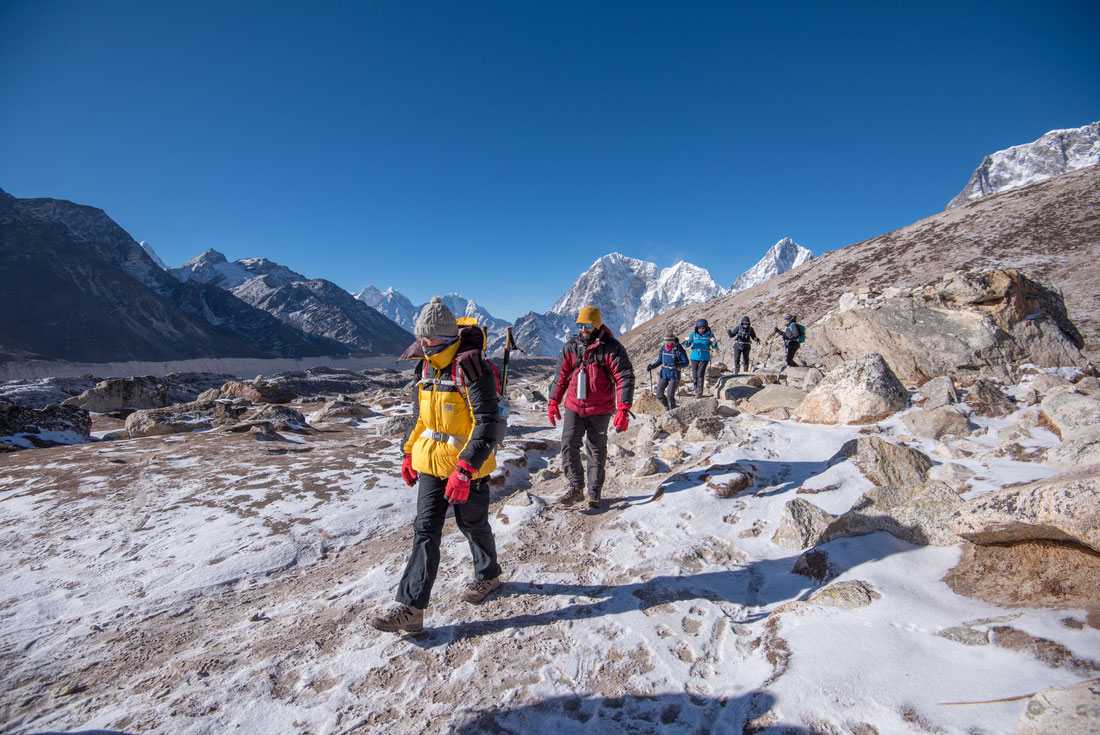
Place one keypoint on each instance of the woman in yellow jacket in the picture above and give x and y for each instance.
(450, 454)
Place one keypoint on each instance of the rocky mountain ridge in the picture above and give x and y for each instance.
(1054, 153)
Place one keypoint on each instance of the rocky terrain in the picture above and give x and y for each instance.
(802, 551)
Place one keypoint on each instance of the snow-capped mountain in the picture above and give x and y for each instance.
(538, 335)
(460, 306)
(629, 292)
(1056, 152)
(215, 269)
(152, 254)
(780, 258)
(392, 304)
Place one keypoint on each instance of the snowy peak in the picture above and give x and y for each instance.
(392, 304)
(152, 254)
(1055, 153)
(214, 268)
(780, 258)
(628, 291)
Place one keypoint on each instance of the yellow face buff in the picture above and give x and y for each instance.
(444, 357)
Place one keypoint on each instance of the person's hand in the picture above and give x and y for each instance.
(622, 417)
(458, 484)
(408, 474)
(553, 413)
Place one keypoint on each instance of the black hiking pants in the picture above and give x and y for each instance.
(699, 375)
(592, 431)
(472, 518)
(792, 347)
(666, 391)
(740, 352)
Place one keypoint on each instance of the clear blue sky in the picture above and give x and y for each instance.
(498, 148)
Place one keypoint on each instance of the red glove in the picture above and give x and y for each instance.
(554, 413)
(408, 474)
(458, 484)
(622, 417)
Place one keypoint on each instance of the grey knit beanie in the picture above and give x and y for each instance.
(436, 320)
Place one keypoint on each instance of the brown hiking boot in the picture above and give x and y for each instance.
(400, 617)
(478, 589)
(593, 499)
(572, 495)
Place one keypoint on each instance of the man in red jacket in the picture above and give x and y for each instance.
(595, 379)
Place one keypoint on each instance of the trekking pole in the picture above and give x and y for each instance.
(509, 345)
(649, 373)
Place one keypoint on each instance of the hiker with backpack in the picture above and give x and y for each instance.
(595, 380)
(671, 358)
(448, 456)
(701, 341)
(794, 334)
(742, 336)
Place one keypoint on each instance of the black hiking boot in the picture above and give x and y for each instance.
(593, 498)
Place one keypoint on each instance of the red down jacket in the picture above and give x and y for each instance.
(607, 367)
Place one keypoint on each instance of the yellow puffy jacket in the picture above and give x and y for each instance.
(456, 410)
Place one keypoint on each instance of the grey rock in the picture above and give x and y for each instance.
(884, 463)
(988, 400)
(939, 391)
(1068, 710)
(776, 396)
(183, 418)
(647, 466)
(919, 515)
(966, 636)
(937, 422)
(704, 428)
(956, 476)
(1061, 508)
(1071, 413)
(341, 411)
(281, 417)
(398, 426)
(846, 595)
(122, 393)
(815, 564)
(801, 525)
(1083, 449)
(22, 425)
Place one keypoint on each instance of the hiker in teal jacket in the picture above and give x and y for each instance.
(701, 341)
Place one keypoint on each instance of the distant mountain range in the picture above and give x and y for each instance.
(1053, 154)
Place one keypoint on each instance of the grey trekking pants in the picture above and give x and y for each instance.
(592, 430)
(666, 391)
(472, 518)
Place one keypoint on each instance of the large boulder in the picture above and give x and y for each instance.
(1083, 449)
(919, 515)
(1072, 709)
(257, 392)
(24, 427)
(122, 393)
(860, 391)
(1071, 414)
(986, 399)
(1061, 508)
(884, 463)
(937, 423)
(184, 417)
(341, 410)
(966, 322)
(775, 396)
(939, 392)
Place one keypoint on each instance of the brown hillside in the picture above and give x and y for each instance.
(1050, 230)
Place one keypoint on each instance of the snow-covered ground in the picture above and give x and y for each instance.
(213, 583)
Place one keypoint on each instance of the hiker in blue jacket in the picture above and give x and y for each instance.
(793, 334)
(701, 341)
(671, 358)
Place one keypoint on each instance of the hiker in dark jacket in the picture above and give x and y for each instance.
(595, 380)
(449, 454)
(671, 358)
(742, 337)
(701, 341)
(794, 334)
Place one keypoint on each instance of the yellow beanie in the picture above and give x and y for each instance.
(590, 315)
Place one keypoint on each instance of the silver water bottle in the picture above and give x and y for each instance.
(582, 385)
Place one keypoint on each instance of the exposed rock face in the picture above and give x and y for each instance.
(24, 427)
(1053, 154)
(785, 255)
(704, 428)
(1029, 574)
(915, 514)
(801, 525)
(884, 463)
(120, 393)
(1063, 508)
(860, 391)
(284, 418)
(257, 392)
(340, 410)
(994, 319)
(1083, 449)
(937, 423)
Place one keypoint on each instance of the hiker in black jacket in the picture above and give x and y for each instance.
(741, 342)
